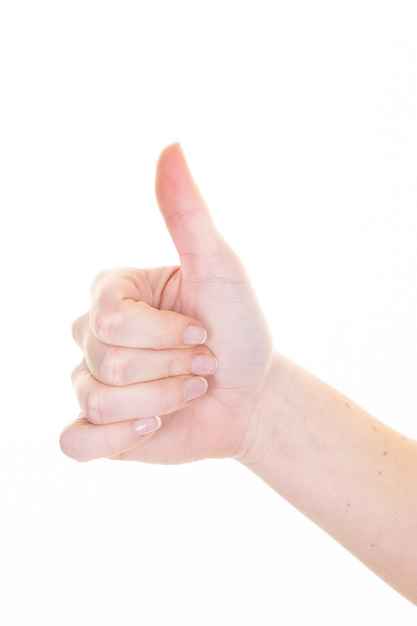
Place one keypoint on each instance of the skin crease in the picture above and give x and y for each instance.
(350, 474)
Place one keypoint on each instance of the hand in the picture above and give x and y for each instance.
(188, 344)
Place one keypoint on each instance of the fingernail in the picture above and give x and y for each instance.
(147, 425)
(194, 387)
(204, 365)
(194, 336)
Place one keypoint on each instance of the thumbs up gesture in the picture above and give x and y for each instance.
(176, 359)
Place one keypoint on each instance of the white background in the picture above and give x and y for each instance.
(299, 122)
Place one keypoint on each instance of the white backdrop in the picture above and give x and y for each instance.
(299, 123)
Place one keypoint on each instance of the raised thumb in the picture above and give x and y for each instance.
(184, 209)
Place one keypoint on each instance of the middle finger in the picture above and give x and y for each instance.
(119, 366)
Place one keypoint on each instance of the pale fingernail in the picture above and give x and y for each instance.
(204, 365)
(194, 336)
(194, 387)
(147, 425)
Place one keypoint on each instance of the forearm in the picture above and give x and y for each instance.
(353, 476)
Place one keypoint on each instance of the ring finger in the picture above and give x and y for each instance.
(105, 404)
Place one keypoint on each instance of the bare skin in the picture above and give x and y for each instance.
(179, 365)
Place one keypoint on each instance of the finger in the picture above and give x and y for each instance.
(122, 313)
(120, 366)
(105, 404)
(185, 211)
(117, 366)
(80, 330)
(84, 441)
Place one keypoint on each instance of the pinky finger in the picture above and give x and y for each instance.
(84, 441)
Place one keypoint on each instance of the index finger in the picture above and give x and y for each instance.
(123, 314)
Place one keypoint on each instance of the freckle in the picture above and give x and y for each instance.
(385, 453)
(374, 428)
(347, 405)
(379, 473)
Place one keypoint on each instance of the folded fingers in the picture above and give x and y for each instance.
(120, 366)
(104, 404)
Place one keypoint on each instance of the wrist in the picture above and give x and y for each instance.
(270, 412)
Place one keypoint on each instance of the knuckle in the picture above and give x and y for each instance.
(71, 442)
(167, 400)
(77, 328)
(74, 329)
(114, 366)
(107, 322)
(174, 365)
(77, 371)
(95, 406)
(99, 278)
